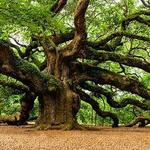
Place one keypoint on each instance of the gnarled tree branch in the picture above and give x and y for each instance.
(143, 121)
(102, 42)
(128, 60)
(85, 97)
(27, 73)
(58, 6)
(78, 42)
(103, 76)
(98, 91)
(13, 85)
(136, 17)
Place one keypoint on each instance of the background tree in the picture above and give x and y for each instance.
(62, 52)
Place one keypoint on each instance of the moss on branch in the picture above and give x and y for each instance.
(26, 72)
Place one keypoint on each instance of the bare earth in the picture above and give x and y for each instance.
(25, 138)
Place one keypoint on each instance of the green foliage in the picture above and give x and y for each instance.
(34, 17)
(9, 102)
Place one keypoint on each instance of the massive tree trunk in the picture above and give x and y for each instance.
(58, 110)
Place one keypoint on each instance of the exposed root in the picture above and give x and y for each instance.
(43, 127)
(74, 126)
(67, 127)
(63, 127)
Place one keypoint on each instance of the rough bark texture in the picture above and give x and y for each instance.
(27, 103)
(58, 110)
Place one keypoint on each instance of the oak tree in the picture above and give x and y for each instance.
(79, 41)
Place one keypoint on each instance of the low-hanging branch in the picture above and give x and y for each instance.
(27, 103)
(103, 76)
(9, 121)
(103, 56)
(98, 91)
(95, 105)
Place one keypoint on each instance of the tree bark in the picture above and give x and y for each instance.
(27, 104)
(58, 110)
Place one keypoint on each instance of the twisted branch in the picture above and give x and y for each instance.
(98, 91)
(102, 42)
(85, 97)
(58, 6)
(128, 60)
(103, 76)
(78, 42)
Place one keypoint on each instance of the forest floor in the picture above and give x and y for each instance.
(100, 138)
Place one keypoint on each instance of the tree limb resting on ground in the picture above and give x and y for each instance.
(143, 121)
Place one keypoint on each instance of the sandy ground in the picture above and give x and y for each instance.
(25, 138)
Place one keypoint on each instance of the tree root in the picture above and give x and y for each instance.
(63, 127)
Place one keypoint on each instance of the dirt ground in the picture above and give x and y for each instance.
(103, 138)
